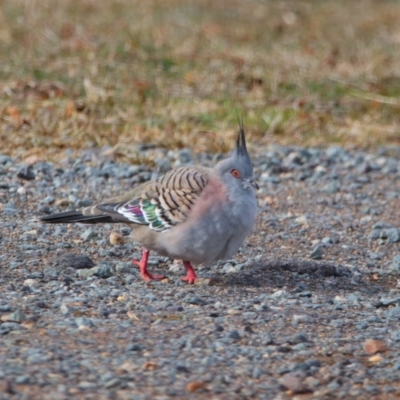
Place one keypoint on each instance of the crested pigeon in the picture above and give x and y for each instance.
(195, 214)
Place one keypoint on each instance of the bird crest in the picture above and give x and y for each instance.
(241, 149)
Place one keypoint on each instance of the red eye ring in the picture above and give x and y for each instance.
(235, 173)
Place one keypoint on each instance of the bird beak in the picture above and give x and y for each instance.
(253, 183)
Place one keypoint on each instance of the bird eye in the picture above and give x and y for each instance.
(235, 173)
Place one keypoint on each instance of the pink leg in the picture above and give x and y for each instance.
(191, 275)
(142, 264)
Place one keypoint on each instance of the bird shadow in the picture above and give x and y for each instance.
(302, 275)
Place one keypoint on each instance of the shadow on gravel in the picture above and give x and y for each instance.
(301, 275)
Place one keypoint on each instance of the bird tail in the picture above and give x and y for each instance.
(70, 217)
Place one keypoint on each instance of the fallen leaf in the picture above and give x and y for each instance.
(70, 109)
(116, 238)
(372, 346)
(194, 386)
(190, 77)
(13, 112)
(150, 365)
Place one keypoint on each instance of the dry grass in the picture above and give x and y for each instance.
(82, 73)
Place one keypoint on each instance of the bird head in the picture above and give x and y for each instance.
(237, 169)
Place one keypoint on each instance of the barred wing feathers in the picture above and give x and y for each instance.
(163, 203)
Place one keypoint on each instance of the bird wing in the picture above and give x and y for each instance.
(160, 204)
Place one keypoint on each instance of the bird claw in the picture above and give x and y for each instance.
(190, 279)
(146, 275)
(191, 275)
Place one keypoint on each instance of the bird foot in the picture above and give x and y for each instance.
(142, 264)
(191, 275)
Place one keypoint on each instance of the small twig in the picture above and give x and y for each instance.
(345, 83)
(362, 94)
(377, 97)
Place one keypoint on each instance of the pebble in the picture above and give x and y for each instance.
(5, 159)
(317, 253)
(89, 234)
(311, 382)
(104, 271)
(22, 191)
(83, 322)
(62, 202)
(302, 220)
(393, 266)
(279, 294)
(17, 316)
(85, 385)
(375, 359)
(124, 268)
(26, 173)
(87, 272)
(74, 261)
(6, 327)
(234, 335)
(112, 383)
(48, 200)
(331, 187)
(257, 372)
(389, 235)
(193, 299)
(294, 384)
(23, 380)
(387, 301)
(30, 282)
(67, 309)
(133, 347)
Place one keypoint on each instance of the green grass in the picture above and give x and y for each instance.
(79, 73)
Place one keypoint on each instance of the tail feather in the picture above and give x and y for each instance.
(69, 217)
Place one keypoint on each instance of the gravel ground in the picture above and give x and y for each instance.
(308, 309)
